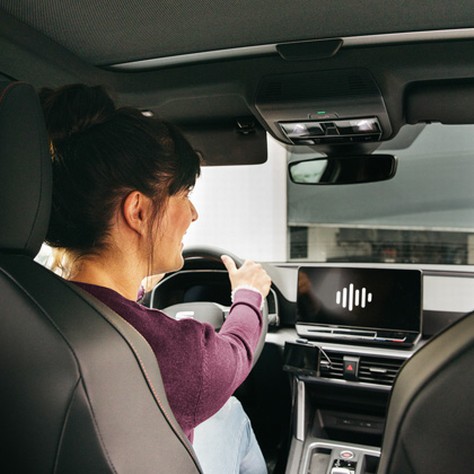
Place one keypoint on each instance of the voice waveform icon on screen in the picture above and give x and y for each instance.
(350, 298)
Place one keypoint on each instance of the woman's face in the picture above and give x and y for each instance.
(176, 218)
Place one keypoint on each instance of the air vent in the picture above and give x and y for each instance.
(379, 370)
(372, 369)
(333, 369)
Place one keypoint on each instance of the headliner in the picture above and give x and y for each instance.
(106, 32)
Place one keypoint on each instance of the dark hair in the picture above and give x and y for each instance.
(100, 154)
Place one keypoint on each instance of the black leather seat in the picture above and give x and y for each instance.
(430, 423)
(80, 389)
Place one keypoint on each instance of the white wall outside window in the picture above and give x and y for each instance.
(242, 209)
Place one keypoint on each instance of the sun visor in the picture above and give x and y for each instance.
(324, 107)
(235, 142)
(441, 101)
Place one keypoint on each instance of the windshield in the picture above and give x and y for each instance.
(425, 214)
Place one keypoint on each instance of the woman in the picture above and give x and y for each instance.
(121, 184)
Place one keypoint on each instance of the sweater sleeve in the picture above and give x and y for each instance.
(227, 356)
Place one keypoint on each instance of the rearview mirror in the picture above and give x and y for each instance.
(348, 169)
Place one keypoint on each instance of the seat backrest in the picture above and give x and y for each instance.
(80, 389)
(430, 423)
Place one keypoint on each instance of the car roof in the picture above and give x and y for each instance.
(104, 32)
(201, 64)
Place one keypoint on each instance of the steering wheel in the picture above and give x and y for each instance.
(209, 311)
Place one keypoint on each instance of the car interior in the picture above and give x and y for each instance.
(351, 124)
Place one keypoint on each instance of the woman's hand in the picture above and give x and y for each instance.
(249, 274)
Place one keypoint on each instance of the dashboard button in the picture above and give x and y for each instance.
(346, 454)
(351, 368)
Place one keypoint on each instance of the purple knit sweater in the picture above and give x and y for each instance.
(199, 367)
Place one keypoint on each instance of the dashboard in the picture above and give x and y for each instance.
(438, 296)
(331, 392)
(419, 303)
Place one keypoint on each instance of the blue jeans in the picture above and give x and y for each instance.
(226, 443)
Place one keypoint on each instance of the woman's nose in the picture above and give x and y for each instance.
(194, 212)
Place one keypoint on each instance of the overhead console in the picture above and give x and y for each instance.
(324, 107)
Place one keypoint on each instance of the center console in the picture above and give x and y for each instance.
(356, 328)
(336, 458)
(340, 398)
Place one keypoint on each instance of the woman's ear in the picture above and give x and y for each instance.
(136, 212)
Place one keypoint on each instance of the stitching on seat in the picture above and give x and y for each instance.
(407, 457)
(38, 120)
(7, 89)
(63, 428)
(65, 423)
(157, 397)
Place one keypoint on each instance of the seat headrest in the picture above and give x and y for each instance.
(25, 170)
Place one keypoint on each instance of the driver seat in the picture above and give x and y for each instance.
(80, 389)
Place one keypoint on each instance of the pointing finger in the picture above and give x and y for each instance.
(229, 263)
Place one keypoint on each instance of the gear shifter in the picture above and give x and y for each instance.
(342, 466)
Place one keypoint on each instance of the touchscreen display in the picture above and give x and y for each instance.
(360, 298)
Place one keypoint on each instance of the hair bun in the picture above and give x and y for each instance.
(74, 109)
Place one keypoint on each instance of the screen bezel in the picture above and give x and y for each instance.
(399, 278)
